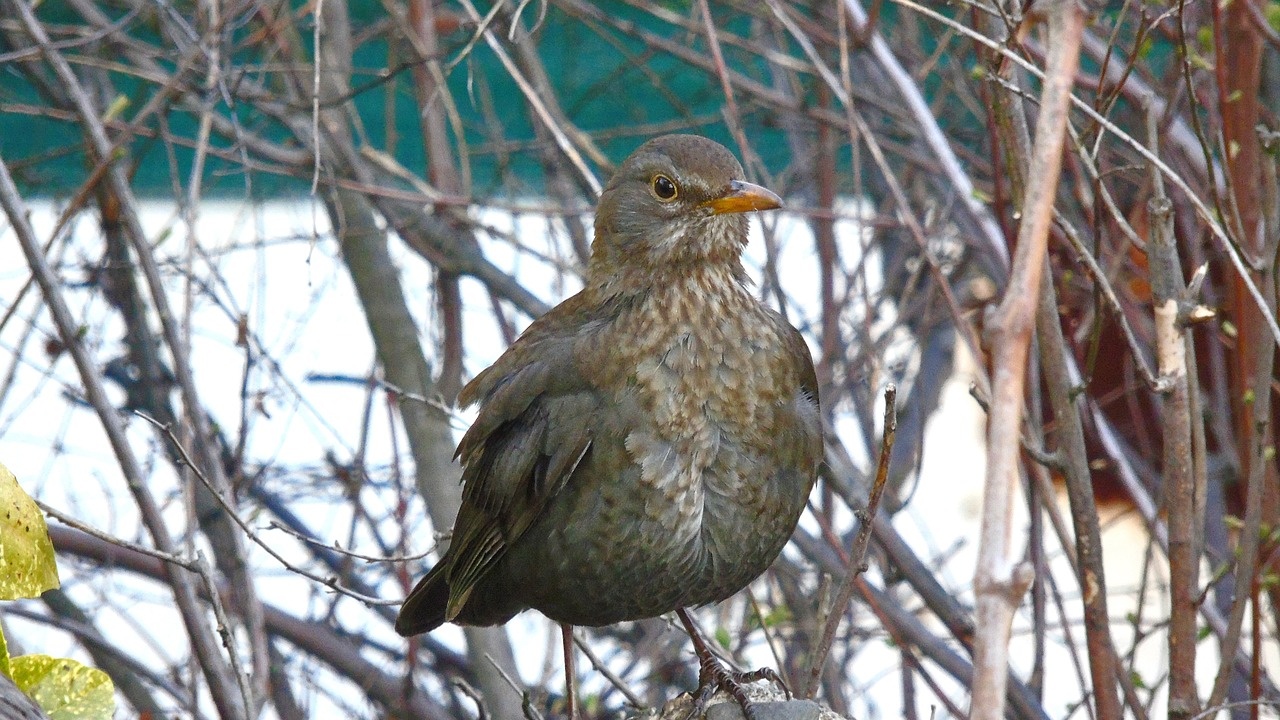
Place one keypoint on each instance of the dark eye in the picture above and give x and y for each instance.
(664, 188)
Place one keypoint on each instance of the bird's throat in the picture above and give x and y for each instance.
(702, 257)
(708, 280)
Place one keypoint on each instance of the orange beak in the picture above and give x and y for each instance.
(744, 197)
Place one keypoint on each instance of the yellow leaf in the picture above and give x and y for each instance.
(65, 689)
(27, 567)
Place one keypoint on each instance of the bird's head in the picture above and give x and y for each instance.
(676, 200)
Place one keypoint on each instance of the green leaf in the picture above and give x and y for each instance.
(1204, 39)
(1136, 680)
(4, 655)
(27, 567)
(65, 689)
(1201, 62)
(116, 108)
(777, 616)
(722, 637)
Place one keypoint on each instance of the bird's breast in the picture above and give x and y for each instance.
(698, 469)
(707, 374)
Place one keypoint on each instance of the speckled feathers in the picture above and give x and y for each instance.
(648, 444)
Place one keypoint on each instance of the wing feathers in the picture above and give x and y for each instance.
(512, 469)
(534, 428)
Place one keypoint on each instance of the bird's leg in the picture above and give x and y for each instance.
(570, 675)
(713, 675)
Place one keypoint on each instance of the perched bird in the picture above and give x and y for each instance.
(649, 444)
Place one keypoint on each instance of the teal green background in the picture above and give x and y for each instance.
(599, 88)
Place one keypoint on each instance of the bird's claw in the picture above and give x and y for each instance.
(713, 676)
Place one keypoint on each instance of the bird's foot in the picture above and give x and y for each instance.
(713, 676)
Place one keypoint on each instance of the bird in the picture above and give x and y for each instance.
(649, 444)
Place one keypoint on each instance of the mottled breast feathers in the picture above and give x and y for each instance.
(648, 444)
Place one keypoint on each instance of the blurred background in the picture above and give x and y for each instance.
(288, 232)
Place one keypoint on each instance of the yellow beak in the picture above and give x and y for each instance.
(744, 197)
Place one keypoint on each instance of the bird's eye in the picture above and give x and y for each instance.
(664, 188)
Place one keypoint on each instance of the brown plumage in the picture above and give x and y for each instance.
(648, 444)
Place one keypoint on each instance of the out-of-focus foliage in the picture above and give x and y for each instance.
(27, 565)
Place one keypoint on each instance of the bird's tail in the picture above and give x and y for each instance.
(423, 611)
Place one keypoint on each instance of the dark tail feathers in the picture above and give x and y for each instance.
(423, 611)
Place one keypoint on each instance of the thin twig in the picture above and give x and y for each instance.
(536, 103)
(329, 582)
(733, 118)
(465, 688)
(1259, 445)
(857, 553)
(173, 558)
(933, 136)
(1209, 217)
(222, 686)
(609, 675)
(1155, 382)
(530, 711)
(334, 547)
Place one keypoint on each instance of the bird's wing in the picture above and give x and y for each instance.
(798, 350)
(534, 427)
(804, 448)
